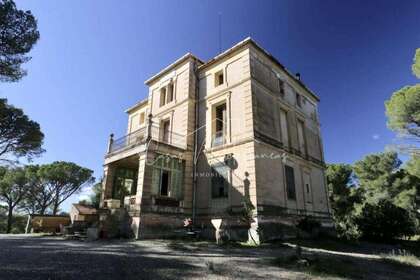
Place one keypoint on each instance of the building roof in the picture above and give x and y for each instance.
(224, 54)
(172, 66)
(249, 40)
(137, 105)
(85, 209)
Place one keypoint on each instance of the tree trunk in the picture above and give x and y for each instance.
(9, 219)
(55, 208)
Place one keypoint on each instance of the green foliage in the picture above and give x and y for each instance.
(416, 64)
(403, 110)
(53, 184)
(19, 136)
(14, 185)
(343, 195)
(18, 35)
(385, 221)
(62, 179)
(380, 182)
(95, 198)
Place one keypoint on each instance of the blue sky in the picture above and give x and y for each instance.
(93, 57)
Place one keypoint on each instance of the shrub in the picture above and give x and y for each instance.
(384, 222)
(308, 224)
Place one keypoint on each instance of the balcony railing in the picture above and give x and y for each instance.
(140, 136)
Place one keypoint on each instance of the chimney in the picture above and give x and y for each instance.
(297, 76)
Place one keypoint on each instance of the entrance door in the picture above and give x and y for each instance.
(165, 183)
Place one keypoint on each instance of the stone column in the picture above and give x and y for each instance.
(107, 183)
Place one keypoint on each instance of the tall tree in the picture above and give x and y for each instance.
(62, 180)
(403, 112)
(40, 196)
(18, 34)
(343, 196)
(19, 136)
(14, 184)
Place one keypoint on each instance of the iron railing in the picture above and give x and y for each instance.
(140, 136)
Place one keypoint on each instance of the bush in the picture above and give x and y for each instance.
(384, 222)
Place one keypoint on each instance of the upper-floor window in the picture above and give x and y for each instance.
(301, 136)
(219, 124)
(218, 78)
(298, 100)
(290, 182)
(284, 129)
(142, 117)
(219, 181)
(170, 92)
(281, 88)
(165, 125)
(162, 96)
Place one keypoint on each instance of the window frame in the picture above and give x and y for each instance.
(217, 76)
(225, 182)
(290, 182)
(163, 96)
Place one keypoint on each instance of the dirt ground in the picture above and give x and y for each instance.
(36, 257)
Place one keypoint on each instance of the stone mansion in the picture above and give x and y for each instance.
(212, 137)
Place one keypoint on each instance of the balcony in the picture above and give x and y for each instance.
(141, 136)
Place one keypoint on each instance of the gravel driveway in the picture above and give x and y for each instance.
(34, 257)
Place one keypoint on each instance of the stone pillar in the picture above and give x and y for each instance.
(140, 177)
(107, 183)
(149, 127)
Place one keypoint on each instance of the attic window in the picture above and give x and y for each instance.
(218, 78)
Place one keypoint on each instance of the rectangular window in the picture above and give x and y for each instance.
(167, 179)
(219, 124)
(284, 128)
(219, 181)
(281, 88)
(165, 131)
(170, 92)
(218, 78)
(298, 100)
(162, 96)
(290, 182)
(308, 190)
(142, 117)
(301, 137)
(165, 183)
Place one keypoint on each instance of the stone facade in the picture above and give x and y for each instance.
(212, 139)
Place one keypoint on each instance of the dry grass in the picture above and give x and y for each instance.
(403, 257)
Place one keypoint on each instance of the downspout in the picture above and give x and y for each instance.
(195, 157)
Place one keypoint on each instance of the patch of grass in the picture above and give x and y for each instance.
(402, 257)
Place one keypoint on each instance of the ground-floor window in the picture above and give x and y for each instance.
(290, 182)
(125, 183)
(219, 181)
(168, 176)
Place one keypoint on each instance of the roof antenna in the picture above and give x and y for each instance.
(220, 32)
